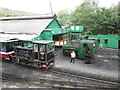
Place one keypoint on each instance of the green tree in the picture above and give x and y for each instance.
(2, 14)
(82, 14)
(106, 21)
(96, 20)
(63, 17)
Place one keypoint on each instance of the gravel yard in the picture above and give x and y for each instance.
(105, 64)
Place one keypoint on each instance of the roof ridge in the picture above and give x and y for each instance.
(28, 17)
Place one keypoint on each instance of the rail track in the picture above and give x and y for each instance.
(78, 82)
(53, 83)
(100, 81)
(62, 80)
(69, 84)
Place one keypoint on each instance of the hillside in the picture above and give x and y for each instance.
(5, 12)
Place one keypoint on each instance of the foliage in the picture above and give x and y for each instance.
(82, 15)
(2, 14)
(96, 20)
(105, 21)
(7, 15)
(5, 12)
(64, 17)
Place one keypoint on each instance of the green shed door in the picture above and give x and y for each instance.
(113, 43)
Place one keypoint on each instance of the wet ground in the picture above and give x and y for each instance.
(104, 65)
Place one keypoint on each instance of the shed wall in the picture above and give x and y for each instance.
(110, 41)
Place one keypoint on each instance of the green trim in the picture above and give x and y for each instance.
(53, 24)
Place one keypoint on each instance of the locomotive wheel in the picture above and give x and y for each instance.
(3, 59)
(17, 61)
(13, 60)
(10, 58)
(64, 53)
(88, 61)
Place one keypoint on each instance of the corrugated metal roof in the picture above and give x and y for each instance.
(29, 24)
(87, 41)
(19, 36)
(28, 17)
(7, 40)
(43, 42)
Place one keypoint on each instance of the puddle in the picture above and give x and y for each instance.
(99, 56)
(57, 66)
(106, 60)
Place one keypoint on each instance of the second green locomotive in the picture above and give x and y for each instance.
(83, 48)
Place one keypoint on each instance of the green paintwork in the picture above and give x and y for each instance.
(76, 28)
(47, 35)
(108, 41)
(53, 24)
(75, 36)
(78, 47)
(56, 31)
(81, 51)
(39, 37)
(114, 44)
(75, 32)
(97, 43)
(90, 44)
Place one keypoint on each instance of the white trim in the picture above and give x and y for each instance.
(7, 52)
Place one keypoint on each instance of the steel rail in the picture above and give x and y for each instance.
(53, 82)
(71, 84)
(84, 77)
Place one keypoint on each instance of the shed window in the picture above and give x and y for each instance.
(77, 27)
(72, 27)
(106, 41)
(35, 47)
(98, 40)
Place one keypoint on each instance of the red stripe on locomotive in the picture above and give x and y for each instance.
(6, 55)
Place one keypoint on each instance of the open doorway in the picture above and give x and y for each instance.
(60, 39)
(118, 44)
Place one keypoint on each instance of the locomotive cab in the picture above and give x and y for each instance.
(89, 47)
(44, 52)
(82, 48)
(34, 53)
(6, 48)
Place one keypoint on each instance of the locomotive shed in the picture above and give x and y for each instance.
(104, 67)
(102, 71)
